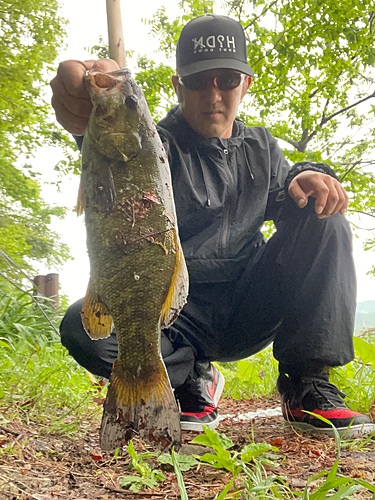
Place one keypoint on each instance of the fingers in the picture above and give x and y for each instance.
(70, 98)
(330, 196)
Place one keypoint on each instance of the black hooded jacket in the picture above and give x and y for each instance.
(224, 190)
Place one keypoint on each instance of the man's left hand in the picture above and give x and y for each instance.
(330, 196)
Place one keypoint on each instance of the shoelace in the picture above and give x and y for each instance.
(324, 391)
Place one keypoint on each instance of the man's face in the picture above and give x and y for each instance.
(210, 112)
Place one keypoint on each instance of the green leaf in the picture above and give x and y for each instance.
(254, 450)
(185, 462)
(212, 438)
(365, 350)
(180, 479)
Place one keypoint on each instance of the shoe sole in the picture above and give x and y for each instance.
(220, 388)
(198, 426)
(355, 431)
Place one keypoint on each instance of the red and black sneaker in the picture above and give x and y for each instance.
(317, 395)
(199, 398)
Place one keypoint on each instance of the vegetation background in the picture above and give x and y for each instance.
(314, 90)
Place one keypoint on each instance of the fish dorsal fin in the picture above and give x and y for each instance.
(96, 318)
(178, 291)
(80, 207)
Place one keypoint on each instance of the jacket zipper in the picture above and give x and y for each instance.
(227, 209)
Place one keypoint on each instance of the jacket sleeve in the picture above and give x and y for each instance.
(282, 176)
(279, 169)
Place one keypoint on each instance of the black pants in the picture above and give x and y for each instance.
(298, 291)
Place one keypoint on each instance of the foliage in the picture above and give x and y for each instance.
(231, 460)
(31, 34)
(160, 97)
(148, 476)
(39, 381)
(251, 377)
(357, 379)
(180, 479)
(343, 487)
(185, 462)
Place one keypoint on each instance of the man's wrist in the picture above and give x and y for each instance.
(306, 165)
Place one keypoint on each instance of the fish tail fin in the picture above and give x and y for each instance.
(177, 293)
(143, 407)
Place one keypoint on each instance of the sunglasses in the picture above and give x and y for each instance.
(200, 81)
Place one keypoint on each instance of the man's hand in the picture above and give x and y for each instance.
(70, 98)
(330, 196)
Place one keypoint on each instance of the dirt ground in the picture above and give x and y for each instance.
(59, 467)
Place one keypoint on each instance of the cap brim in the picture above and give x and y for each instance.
(197, 67)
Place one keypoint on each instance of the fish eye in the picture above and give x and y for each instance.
(131, 102)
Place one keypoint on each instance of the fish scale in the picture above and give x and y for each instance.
(138, 276)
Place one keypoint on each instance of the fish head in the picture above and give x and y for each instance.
(118, 117)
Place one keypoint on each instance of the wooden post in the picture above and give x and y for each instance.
(47, 286)
(40, 284)
(115, 35)
(52, 288)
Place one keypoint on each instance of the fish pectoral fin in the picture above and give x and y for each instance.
(96, 318)
(178, 292)
(145, 408)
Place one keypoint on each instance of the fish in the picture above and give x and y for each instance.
(138, 275)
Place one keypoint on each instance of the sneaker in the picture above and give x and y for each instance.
(199, 398)
(317, 395)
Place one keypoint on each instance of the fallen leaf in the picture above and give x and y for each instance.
(276, 442)
(316, 452)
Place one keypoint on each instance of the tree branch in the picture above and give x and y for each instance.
(350, 169)
(364, 213)
(328, 118)
(266, 9)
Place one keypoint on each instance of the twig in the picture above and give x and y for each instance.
(364, 213)
(12, 282)
(326, 119)
(138, 493)
(4, 429)
(260, 15)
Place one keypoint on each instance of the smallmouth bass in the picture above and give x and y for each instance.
(138, 275)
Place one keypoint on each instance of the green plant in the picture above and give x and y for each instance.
(39, 381)
(251, 377)
(226, 459)
(147, 476)
(185, 462)
(180, 479)
(357, 379)
(335, 486)
(258, 484)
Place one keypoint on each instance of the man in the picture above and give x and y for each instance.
(297, 290)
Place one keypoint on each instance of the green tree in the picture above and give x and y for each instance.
(314, 83)
(31, 32)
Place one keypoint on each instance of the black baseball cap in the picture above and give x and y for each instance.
(212, 42)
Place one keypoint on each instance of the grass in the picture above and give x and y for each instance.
(40, 383)
(256, 376)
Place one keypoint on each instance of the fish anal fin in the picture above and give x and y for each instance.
(96, 318)
(178, 291)
(140, 407)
